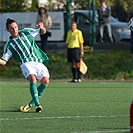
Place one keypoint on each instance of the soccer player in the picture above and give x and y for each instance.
(21, 45)
(75, 50)
(131, 28)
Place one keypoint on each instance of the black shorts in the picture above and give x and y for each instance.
(73, 55)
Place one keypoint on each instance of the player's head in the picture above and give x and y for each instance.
(12, 27)
(73, 25)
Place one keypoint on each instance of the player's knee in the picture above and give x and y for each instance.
(32, 78)
(45, 81)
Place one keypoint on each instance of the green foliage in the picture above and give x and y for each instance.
(59, 66)
(107, 65)
(34, 6)
(120, 9)
(13, 6)
(122, 75)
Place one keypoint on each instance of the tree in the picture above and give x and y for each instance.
(0, 5)
(34, 6)
(120, 8)
(13, 6)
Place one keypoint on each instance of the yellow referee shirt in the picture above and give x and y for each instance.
(74, 39)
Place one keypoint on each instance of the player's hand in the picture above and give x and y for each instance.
(40, 25)
(2, 62)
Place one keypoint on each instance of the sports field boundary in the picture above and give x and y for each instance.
(108, 131)
(66, 80)
(63, 117)
(71, 117)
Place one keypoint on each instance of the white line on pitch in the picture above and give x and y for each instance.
(62, 117)
(107, 131)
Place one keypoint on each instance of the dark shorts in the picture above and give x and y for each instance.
(73, 55)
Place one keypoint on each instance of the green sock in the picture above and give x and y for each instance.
(34, 93)
(41, 89)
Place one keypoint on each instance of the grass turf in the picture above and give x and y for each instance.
(87, 107)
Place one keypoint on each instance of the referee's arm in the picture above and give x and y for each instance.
(82, 49)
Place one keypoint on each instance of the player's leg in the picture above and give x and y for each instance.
(43, 86)
(29, 71)
(43, 77)
(41, 89)
(34, 94)
(33, 89)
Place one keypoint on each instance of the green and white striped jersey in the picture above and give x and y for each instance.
(24, 49)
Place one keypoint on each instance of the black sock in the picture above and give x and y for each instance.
(74, 73)
(79, 74)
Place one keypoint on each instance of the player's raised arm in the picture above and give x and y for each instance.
(42, 28)
(2, 62)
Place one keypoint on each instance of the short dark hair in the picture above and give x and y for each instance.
(9, 21)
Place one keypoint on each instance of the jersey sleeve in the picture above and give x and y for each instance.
(6, 55)
(35, 32)
(32, 31)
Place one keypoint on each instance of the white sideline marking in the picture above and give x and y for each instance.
(109, 131)
(73, 117)
(62, 117)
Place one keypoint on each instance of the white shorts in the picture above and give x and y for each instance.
(39, 69)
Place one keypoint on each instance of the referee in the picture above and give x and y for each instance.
(21, 45)
(75, 50)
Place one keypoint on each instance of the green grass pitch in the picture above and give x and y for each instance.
(87, 107)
